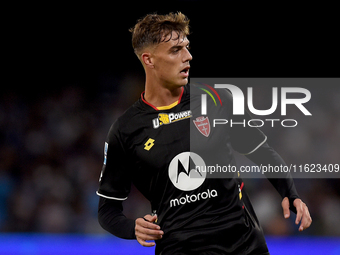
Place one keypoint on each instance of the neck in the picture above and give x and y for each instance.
(160, 95)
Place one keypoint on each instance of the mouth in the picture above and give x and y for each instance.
(185, 71)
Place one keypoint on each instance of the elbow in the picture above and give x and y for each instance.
(111, 219)
(101, 220)
(103, 215)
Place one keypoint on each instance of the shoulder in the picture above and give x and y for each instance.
(129, 121)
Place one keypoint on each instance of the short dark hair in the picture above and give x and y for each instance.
(154, 29)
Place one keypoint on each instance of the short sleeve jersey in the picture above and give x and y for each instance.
(165, 154)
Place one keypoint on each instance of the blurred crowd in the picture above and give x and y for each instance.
(51, 155)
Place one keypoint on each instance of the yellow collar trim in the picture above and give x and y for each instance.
(168, 106)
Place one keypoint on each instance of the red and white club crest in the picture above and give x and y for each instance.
(203, 125)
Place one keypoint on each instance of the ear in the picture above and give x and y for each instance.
(147, 60)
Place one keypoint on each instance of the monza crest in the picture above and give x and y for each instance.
(203, 125)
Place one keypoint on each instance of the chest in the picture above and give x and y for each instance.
(162, 136)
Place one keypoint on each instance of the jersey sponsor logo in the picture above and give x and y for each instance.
(203, 125)
(193, 198)
(149, 144)
(168, 118)
(186, 176)
(183, 172)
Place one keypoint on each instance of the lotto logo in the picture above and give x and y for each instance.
(149, 144)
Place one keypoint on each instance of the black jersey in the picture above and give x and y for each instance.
(163, 153)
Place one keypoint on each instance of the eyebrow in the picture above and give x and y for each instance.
(179, 46)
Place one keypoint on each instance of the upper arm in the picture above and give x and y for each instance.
(115, 181)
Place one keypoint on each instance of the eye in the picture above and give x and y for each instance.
(188, 47)
(175, 50)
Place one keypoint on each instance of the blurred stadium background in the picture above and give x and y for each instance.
(71, 71)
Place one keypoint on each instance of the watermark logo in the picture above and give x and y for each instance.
(206, 88)
(239, 105)
(238, 100)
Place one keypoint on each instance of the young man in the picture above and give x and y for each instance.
(191, 214)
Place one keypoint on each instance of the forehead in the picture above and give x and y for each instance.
(174, 38)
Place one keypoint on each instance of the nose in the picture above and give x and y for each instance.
(187, 56)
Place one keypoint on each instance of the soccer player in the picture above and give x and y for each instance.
(153, 146)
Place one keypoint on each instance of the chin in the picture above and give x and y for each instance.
(183, 82)
(179, 82)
